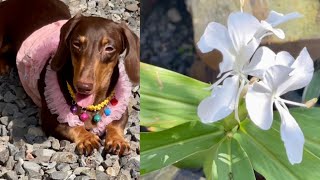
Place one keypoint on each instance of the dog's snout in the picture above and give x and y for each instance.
(83, 87)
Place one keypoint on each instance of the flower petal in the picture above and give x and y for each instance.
(227, 63)
(275, 76)
(275, 18)
(262, 59)
(221, 103)
(216, 36)
(291, 135)
(246, 53)
(269, 28)
(284, 58)
(303, 64)
(242, 28)
(301, 75)
(259, 105)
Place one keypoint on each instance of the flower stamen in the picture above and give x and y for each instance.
(292, 103)
(253, 80)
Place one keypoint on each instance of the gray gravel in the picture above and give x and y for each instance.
(26, 153)
(167, 36)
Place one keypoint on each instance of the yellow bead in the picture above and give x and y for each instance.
(91, 107)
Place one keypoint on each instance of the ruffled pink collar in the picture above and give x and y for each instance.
(58, 105)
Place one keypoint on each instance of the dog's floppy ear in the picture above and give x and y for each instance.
(63, 52)
(132, 58)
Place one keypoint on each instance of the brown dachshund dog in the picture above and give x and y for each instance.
(87, 58)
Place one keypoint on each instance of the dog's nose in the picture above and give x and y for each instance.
(84, 87)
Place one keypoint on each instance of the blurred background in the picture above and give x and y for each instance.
(171, 29)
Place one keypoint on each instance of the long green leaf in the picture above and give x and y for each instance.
(267, 153)
(168, 98)
(228, 161)
(193, 161)
(160, 149)
(313, 89)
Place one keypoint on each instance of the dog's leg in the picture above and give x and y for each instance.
(115, 142)
(85, 140)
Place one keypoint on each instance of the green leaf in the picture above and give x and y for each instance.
(168, 98)
(160, 149)
(267, 154)
(228, 160)
(193, 161)
(313, 89)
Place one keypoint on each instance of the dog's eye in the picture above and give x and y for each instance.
(76, 44)
(109, 49)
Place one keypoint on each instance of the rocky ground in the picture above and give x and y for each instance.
(167, 36)
(26, 153)
(167, 41)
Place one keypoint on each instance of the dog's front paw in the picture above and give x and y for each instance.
(116, 144)
(87, 142)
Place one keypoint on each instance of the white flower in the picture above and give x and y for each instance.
(237, 45)
(273, 20)
(286, 75)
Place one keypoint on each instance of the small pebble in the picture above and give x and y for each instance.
(59, 175)
(20, 155)
(63, 167)
(10, 163)
(64, 157)
(18, 167)
(132, 7)
(11, 175)
(9, 97)
(4, 120)
(31, 165)
(55, 144)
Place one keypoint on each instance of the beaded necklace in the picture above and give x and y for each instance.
(94, 108)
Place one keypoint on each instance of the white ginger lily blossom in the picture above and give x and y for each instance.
(286, 75)
(237, 43)
(273, 20)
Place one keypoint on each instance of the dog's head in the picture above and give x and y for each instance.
(93, 46)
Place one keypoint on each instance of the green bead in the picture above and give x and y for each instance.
(97, 118)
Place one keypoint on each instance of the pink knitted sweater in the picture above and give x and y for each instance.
(31, 59)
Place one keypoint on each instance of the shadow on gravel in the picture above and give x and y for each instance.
(19, 116)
